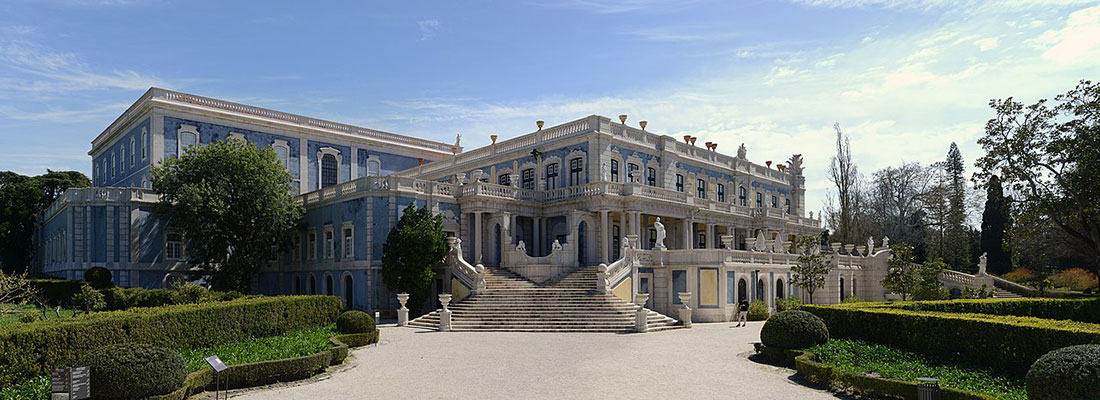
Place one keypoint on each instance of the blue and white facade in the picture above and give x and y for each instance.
(584, 192)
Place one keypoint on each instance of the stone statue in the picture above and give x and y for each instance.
(521, 247)
(458, 140)
(885, 241)
(660, 234)
(742, 152)
(556, 245)
(759, 246)
(796, 164)
(870, 244)
(981, 264)
(779, 246)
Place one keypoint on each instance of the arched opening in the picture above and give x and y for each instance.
(328, 285)
(312, 284)
(742, 289)
(348, 289)
(779, 288)
(854, 290)
(496, 245)
(297, 285)
(842, 296)
(582, 242)
(760, 289)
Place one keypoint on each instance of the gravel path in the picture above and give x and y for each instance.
(706, 361)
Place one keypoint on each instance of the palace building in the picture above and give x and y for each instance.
(540, 205)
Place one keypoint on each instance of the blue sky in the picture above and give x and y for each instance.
(904, 79)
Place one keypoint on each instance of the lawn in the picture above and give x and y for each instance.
(9, 313)
(289, 345)
(859, 357)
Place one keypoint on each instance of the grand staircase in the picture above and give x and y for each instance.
(570, 303)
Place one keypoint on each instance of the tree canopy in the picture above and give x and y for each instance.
(812, 269)
(995, 221)
(233, 202)
(22, 199)
(411, 249)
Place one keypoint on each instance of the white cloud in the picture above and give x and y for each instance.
(1079, 41)
(987, 43)
(428, 28)
(48, 71)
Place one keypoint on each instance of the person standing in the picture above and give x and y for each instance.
(742, 312)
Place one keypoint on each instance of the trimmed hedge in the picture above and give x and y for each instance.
(355, 321)
(34, 349)
(1009, 341)
(1071, 373)
(869, 386)
(794, 329)
(1081, 310)
(125, 371)
(268, 372)
(57, 292)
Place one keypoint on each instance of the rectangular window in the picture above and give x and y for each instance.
(787, 203)
(651, 177)
(679, 183)
(282, 155)
(114, 165)
(173, 249)
(528, 179)
(702, 240)
(144, 145)
(576, 171)
(552, 176)
(313, 246)
(632, 173)
(330, 243)
(329, 166)
(122, 158)
(742, 196)
(700, 188)
(349, 243)
(505, 180)
(759, 200)
(297, 247)
(132, 152)
(775, 202)
(615, 246)
(721, 193)
(614, 170)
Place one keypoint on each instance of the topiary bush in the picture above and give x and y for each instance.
(1068, 373)
(89, 299)
(355, 321)
(130, 371)
(758, 311)
(98, 277)
(794, 329)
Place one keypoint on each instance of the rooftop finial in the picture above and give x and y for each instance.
(622, 118)
(539, 123)
(643, 124)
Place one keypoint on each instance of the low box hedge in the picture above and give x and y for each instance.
(1011, 342)
(34, 349)
(57, 292)
(869, 386)
(268, 372)
(1081, 310)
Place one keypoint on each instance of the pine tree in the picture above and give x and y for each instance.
(995, 221)
(956, 244)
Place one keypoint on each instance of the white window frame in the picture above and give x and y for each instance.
(122, 157)
(330, 242)
(132, 148)
(114, 163)
(144, 143)
(167, 245)
(348, 241)
(282, 144)
(321, 153)
(313, 246)
(237, 136)
(185, 130)
(377, 164)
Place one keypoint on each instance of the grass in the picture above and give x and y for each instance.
(34, 389)
(9, 313)
(858, 356)
(289, 345)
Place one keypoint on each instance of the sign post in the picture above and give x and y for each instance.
(70, 383)
(218, 366)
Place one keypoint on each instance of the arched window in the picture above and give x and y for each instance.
(775, 202)
(779, 288)
(701, 188)
(144, 144)
(528, 179)
(188, 139)
(632, 172)
(760, 289)
(842, 295)
(328, 170)
(742, 289)
(312, 284)
(133, 143)
(282, 152)
(297, 285)
(348, 288)
(759, 200)
(679, 183)
(721, 189)
(328, 285)
(854, 290)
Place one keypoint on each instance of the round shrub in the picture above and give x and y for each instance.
(1068, 373)
(98, 277)
(794, 329)
(355, 322)
(128, 371)
(758, 311)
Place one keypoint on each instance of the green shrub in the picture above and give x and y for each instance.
(29, 316)
(57, 292)
(98, 277)
(1009, 341)
(853, 299)
(89, 299)
(866, 385)
(34, 389)
(359, 339)
(930, 293)
(794, 329)
(758, 311)
(1081, 310)
(189, 293)
(788, 303)
(29, 350)
(1074, 279)
(1069, 373)
(134, 371)
(355, 321)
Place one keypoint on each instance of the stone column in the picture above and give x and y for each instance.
(605, 232)
(477, 237)
(710, 236)
(637, 218)
(536, 248)
(687, 233)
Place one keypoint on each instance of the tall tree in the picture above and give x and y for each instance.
(895, 203)
(844, 174)
(956, 243)
(232, 201)
(995, 221)
(812, 268)
(22, 199)
(412, 247)
(1049, 156)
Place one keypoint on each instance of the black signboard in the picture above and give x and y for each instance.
(76, 382)
(59, 380)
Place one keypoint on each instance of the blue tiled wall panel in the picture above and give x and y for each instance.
(126, 175)
(210, 133)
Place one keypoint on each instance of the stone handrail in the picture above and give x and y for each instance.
(471, 276)
(113, 195)
(378, 183)
(1014, 287)
(957, 277)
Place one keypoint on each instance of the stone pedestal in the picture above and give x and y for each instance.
(641, 315)
(445, 313)
(403, 312)
(685, 313)
(601, 278)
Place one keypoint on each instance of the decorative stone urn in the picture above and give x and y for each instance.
(445, 313)
(641, 315)
(403, 312)
(685, 312)
(835, 246)
(640, 299)
(848, 248)
(861, 250)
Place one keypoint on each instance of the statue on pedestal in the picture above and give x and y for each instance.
(870, 244)
(556, 245)
(521, 247)
(660, 234)
(982, 264)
